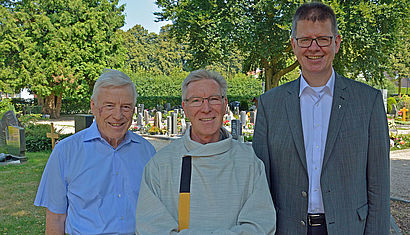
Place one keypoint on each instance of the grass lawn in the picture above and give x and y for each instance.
(18, 187)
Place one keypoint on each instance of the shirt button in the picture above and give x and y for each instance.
(302, 223)
(304, 194)
(119, 195)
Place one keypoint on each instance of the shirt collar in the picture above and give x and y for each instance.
(93, 133)
(328, 88)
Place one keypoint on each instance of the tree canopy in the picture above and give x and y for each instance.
(260, 31)
(59, 47)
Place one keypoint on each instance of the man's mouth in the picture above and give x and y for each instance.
(116, 124)
(207, 119)
(314, 57)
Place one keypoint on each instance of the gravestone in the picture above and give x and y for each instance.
(8, 119)
(236, 129)
(244, 118)
(140, 120)
(169, 125)
(146, 117)
(158, 119)
(174, 126)
(252, 115)
(16, 142)
(183, 126)
(393, 110)
(140, 108)
(83, 121)
(176, 111)
(384, 94)
(168, 107)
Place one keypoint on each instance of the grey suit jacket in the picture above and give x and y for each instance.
(355, 174)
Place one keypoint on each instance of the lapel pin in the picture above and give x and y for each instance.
(340, 106)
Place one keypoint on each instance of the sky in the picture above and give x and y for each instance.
(141, 12)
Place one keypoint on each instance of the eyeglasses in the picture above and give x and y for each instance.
(198, 101)
(323, 41)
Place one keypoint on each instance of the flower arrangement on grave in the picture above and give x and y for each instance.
(399, 141)
(226, 123)
(153, 130)
(250, 126)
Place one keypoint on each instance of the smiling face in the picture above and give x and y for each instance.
(206, 120)
(113, 112)
(316, 62)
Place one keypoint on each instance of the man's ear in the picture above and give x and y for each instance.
(338, 41)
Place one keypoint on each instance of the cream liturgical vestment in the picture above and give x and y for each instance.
(229, 193)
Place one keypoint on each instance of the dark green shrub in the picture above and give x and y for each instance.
(36, 137)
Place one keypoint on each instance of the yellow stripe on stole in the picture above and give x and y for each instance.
(183, 217)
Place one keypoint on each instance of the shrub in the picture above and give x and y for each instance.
(390, 102)
(36, 137)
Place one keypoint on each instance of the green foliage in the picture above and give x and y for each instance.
(400, 141)
(59, 48)
(71, 105)
(6, 105)
(260, 32)
(27, 119)
(390, 102)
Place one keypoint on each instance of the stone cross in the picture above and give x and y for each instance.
(404, 110)
(53, 136)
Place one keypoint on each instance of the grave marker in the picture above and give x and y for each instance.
(236, 129)
(174, 128)
(53, 136)
(252, 115)
(16, 141)
(146, 117)
(403, 111)
(83, 121)
(8, 119)
(244, 118)
(158, 119)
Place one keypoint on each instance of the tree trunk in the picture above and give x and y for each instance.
(52, 105)
(272, 77)
(399, 80)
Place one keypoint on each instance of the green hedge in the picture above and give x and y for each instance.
(36, 137)
(162, 89)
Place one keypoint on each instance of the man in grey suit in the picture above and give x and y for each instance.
(324, 140)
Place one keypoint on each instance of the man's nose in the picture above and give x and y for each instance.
(205, 107)
(117, 113)
(314, 45)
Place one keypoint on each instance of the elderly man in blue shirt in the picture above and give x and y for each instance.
(91, 182)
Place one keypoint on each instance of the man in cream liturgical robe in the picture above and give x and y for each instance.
(229, 191)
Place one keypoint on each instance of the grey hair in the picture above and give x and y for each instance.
(314, 11)
(113, 78)
(201, 74)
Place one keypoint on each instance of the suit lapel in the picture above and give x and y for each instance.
(339, 106)
(295, 120)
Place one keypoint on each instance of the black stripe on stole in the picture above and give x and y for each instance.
(184, 193)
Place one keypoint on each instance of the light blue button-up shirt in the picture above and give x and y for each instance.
(315, 108)
(94, 184)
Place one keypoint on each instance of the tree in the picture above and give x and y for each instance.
(400, 57)
(260, 30)
(66, 46)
